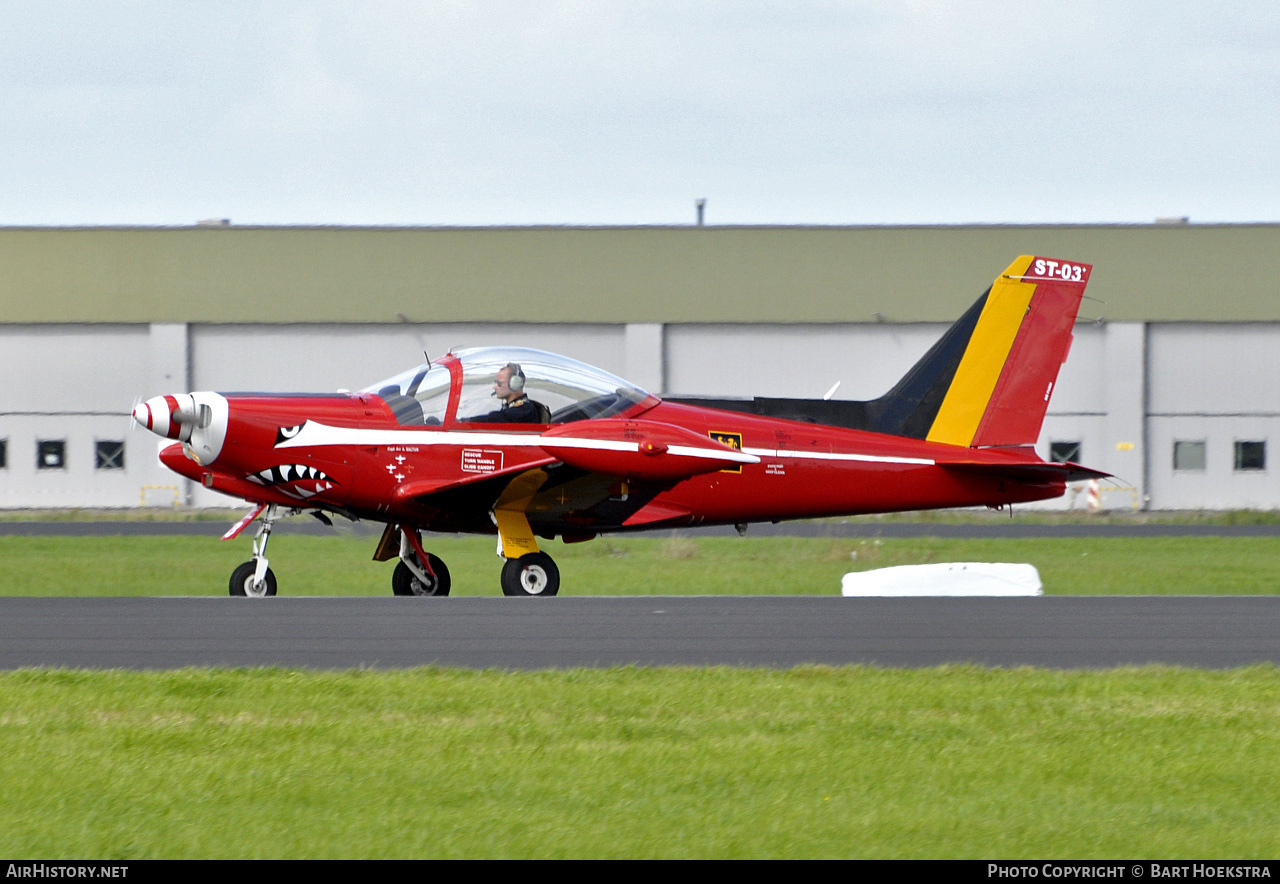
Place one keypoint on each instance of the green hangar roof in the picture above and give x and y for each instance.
(230, 274)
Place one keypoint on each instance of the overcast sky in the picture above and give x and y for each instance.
(535, 112)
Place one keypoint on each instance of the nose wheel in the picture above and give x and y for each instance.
(244, 581)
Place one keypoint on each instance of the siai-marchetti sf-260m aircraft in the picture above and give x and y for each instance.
(527, 445)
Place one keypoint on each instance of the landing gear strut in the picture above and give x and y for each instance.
(418, 572)
(254, 578)
(526, 570)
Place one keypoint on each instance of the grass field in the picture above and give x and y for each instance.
(653, 565)
(810, 762)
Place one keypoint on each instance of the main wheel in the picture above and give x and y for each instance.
(531, 574)
(405, 582)
(242, 582)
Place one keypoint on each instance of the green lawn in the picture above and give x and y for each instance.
(810, 762)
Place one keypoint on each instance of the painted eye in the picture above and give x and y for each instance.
(287, 433)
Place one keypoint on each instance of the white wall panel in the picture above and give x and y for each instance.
(1202, 368)
(72, 368)
(801, 361)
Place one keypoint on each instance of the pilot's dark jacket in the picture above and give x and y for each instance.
(521, 411)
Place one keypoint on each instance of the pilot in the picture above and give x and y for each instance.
(517, 408)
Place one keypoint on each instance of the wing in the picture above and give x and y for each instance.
(597, 473)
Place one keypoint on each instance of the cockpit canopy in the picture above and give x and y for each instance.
(460, 387)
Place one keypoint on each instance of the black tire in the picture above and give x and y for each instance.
(405, 582)
(534, 574)
(242, 582)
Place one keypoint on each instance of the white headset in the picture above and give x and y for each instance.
(515, 383)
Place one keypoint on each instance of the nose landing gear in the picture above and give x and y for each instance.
(254, 578)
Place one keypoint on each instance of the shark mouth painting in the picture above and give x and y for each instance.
(295, 480)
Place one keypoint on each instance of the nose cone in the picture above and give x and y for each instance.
(197, 419)
(158, 414)
(154, 415)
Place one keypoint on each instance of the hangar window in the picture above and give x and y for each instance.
(51, 454)
(108, 455)
(1251, 455)
(1188, 454)
(4, 453)
(1064, 452)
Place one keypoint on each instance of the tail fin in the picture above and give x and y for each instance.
(988, 380)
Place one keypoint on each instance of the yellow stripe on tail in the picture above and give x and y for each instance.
(975, 380)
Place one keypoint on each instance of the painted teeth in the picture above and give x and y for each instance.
(290, 473)
(304, 494)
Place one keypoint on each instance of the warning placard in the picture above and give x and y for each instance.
(481, 460)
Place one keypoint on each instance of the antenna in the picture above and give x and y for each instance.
(832, 391)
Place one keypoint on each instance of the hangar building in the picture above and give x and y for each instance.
(1173, 382)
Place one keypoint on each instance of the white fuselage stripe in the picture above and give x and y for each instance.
(313, 433)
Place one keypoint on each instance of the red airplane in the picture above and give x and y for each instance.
(527, 445)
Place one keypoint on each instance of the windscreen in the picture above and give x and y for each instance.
(418, 396)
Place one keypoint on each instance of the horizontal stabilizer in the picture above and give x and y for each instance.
(1030, 472)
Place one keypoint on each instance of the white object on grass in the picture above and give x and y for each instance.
(948, 578)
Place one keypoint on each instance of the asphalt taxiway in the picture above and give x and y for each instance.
(530, 633)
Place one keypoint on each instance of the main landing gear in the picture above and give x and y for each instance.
(531, 574)
(421, 573)
(418, 571)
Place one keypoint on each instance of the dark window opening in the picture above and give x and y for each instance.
(4, 453)
(108, 455)
(1064, 452)
(1251, 455)
(51, 454)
